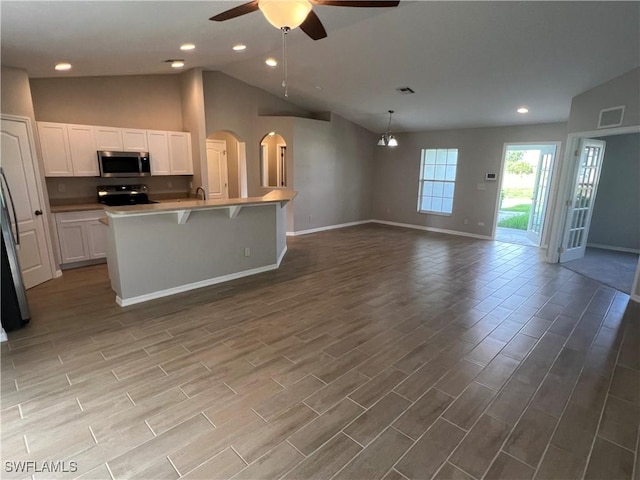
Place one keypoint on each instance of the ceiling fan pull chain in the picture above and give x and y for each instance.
(285, 85)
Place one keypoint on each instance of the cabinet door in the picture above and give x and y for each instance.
(73, 241)
(180, 153)
(158, 152)
(97, 239)
(108, 138)
(54, 142)
(82, 144)
(134, 140)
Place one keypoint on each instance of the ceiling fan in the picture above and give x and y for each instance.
(289, 14)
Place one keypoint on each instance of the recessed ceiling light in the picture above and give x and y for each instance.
(272, 62)
(239, 47)
(175, 63)
(522, 110)
(61, 67)
(186, 47)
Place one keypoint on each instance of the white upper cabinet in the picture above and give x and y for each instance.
(159, 152)
(134, 140)
(109, 138)
(82, 145)
(54, 142)
(180, 153)
(71, 150)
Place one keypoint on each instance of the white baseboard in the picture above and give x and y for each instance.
(57, 274)
(615, 249)
(125, 302)
(328, 227)
(433, 229)
(635, 298)
(284, 252)
(394, 224)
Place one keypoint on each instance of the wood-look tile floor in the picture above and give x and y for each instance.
(373, 352)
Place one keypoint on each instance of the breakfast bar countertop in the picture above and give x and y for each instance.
(275, 196)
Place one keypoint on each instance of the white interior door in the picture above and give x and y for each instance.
(18, 162)
(583, 199)
(217, 169)
(540, 194)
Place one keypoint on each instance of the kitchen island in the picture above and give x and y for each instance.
(161, 249)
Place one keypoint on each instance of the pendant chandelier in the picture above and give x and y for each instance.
(388, 140)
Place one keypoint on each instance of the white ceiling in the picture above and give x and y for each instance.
(470, 63)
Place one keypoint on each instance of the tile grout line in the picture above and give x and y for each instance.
(604, 405)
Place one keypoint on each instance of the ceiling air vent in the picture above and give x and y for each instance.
(405, 90)
(611, 117)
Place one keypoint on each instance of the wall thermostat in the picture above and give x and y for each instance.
(491, 176)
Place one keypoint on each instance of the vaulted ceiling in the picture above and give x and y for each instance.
(469, 63)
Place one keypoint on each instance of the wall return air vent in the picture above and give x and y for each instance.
(611, 117)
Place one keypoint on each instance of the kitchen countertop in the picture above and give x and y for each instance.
(76, 207)
(274, 196)
(86, 204)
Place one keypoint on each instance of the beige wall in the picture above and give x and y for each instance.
(137, 101)
(395, 187)
(622, 90)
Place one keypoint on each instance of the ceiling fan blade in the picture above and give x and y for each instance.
(357, 3)
(312, 26)
(236, 12)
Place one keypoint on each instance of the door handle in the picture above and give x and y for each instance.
(38, 212)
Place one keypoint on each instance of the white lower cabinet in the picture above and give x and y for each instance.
(82, 236)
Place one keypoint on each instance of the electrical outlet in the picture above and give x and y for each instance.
(310, 218)
(388, 211)
(466, 221)
(62, 187)
(481, 224)
(247, 252)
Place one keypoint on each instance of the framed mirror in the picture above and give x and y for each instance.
(273, 161)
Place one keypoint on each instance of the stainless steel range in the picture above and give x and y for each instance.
(115, 195)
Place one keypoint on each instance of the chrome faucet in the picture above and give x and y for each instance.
(200, 189)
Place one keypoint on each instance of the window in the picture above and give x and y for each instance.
(437, 180)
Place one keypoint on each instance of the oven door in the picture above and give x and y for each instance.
(124, 164)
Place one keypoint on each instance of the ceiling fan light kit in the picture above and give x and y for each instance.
(290, 13)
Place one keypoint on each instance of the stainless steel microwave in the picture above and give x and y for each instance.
(124, 164)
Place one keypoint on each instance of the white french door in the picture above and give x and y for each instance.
(583, 199)
(541, 194)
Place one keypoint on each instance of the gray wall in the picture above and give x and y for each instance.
(333, 172)
(138, 101)
(249, 113)
(193, 119)
(395, 186)
(622, 90)
(152, 253)
(616, 214)
(16, 99)
(328, 162)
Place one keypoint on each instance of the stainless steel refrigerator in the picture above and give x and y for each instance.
(15, 311)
